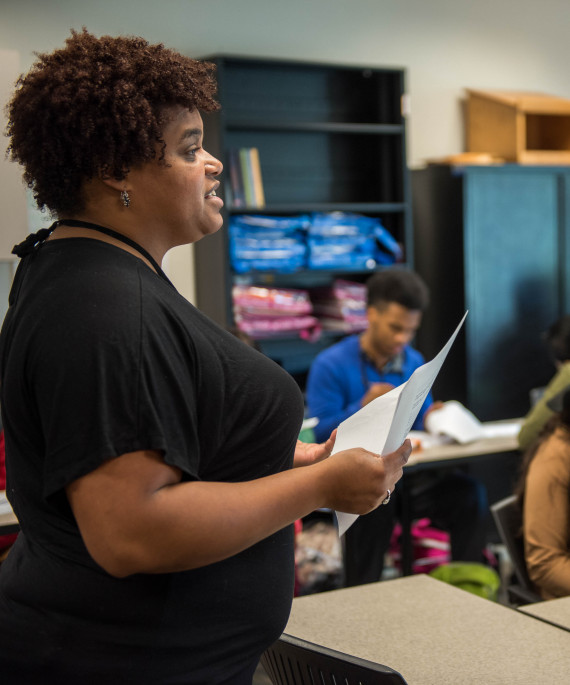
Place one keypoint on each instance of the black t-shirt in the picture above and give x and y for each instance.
(99, 356)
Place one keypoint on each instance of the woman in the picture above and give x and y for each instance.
(149, 452)
(544, 495)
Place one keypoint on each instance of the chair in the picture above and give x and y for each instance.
(508, 519)
(291, 661)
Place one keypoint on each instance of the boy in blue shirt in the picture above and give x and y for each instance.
(358, 369)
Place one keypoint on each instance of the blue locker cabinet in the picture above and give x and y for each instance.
(493, 240)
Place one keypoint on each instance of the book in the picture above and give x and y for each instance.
(236, 183)
(247, 177)
(257, 180)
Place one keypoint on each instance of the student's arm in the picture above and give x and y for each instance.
(137, 516)
(546, 519)
(327, 393)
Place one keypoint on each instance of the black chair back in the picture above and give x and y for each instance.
(508, 519)
(291, 661)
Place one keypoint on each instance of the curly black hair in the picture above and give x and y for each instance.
(97, 106)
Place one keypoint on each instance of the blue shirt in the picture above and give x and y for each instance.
(340, 377)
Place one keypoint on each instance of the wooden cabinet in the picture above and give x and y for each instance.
(330, 138)
(495, 241)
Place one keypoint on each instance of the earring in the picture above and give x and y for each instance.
(125, 198)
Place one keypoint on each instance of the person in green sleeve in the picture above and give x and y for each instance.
(558, 340)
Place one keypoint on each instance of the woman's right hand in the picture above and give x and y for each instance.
(356, 481)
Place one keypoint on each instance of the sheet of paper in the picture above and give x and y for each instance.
(508, 429)
(383, 424)
(455, 420)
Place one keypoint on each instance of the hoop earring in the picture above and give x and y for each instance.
(125, 198)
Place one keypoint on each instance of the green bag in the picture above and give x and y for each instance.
(475, 578)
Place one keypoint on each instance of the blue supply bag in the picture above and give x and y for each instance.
(345, 252)
(345, 240)
(268, 243)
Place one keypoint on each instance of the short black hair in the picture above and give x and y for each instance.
(402, 286)
(557, 338)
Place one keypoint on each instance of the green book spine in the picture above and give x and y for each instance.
(247, 177)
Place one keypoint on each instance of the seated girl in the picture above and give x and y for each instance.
(544, 492)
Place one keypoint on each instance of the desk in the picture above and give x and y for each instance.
(8, 521)
(434, 633)
(554, 611)
(450, 454)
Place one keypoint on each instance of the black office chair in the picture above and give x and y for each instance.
(508, 519)
(291, 661)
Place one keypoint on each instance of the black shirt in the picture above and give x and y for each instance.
(99, 357)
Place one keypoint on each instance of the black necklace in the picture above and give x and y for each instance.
(36, 239)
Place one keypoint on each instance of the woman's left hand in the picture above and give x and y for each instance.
(310, 452)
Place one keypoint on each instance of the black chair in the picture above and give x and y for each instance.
(291, 661)
(508, 519)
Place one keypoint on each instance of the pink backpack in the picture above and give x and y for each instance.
(431, 546)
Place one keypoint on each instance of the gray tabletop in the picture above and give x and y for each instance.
(432, 632)
(555, 611)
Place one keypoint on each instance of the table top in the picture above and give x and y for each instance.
(555, 611)
(432, 632)
(453, 450)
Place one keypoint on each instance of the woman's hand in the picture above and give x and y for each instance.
(357, 481)
(310, 452)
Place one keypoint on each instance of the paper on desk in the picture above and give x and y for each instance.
(383, 424)
(502, 429)
(456, 421)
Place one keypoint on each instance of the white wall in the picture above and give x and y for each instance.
(12, 192)
(445, 45)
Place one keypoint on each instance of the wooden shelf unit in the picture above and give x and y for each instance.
(528, 128)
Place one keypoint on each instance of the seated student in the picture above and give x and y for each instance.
(544, 495)
(358, 369)
(558, 341)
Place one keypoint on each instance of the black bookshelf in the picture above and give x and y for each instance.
(330, 138)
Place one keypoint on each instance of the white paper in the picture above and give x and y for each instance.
(5, 507)
(309, 423)
(508, 429)
(383, 424)
(455, 420)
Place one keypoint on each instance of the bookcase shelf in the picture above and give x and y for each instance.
(283, 126)
(298, 207)
(330, 138)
